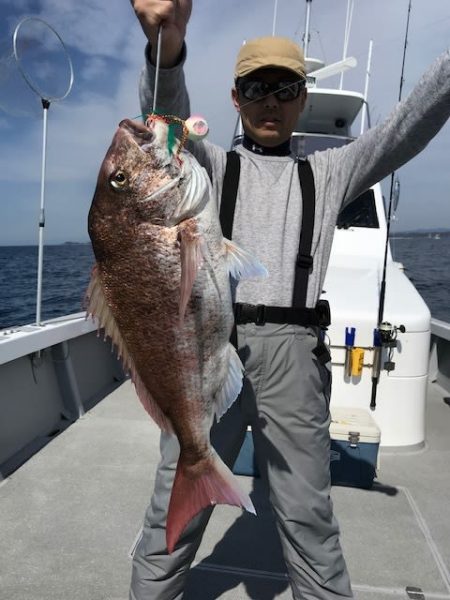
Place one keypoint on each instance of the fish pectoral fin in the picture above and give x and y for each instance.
(232, 384)
(191, 248)
(97, 307)
(192, 492)
(241, 263)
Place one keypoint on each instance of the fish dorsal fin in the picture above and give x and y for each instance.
(241, 263)
(232, 384)
(97, 307)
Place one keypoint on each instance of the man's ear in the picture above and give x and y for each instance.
(235, 99)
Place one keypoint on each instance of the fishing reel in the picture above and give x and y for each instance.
(388, 334)
(388, 338)
(384, 336)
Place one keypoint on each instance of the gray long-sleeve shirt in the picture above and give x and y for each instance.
(269, 202)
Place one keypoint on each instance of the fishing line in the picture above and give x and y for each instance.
(158, 60)
(267, 95)
(178, 120)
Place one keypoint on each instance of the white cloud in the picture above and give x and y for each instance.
(99, 28)
(81, 127)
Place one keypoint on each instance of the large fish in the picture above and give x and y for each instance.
(161, 291)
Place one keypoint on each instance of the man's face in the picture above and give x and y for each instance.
(269, 121)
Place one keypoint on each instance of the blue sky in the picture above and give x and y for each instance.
(106, 45)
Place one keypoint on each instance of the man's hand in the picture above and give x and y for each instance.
(173, 16)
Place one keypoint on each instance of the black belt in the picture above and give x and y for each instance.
(260, 314)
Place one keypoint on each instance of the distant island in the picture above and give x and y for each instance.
(427, 233)
(74, 243)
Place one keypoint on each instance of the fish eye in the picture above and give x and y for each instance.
(118, 180)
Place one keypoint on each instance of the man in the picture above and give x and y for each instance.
(286, 391)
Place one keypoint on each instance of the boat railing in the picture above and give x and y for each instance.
(439, 370)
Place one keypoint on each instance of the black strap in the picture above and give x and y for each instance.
(261, 314)
(304, 262)
(229, 193)
(230, 186)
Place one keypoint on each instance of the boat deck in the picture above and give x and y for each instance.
(70, 517)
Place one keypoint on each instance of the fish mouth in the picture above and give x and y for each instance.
(143, 136)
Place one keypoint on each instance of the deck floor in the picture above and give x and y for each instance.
(69, 518)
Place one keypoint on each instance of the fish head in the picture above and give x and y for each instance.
(141, 182)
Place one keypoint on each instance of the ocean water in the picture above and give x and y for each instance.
(427, 264)
(67, 270)
(66, 274)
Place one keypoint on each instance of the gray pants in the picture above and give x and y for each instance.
(285, 399)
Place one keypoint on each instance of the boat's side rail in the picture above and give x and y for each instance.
(49, 376)
(26, 339)
(440, 353)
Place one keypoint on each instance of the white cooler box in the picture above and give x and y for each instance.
(355, 440)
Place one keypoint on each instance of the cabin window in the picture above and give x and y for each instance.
(361, 212)
(305, 144)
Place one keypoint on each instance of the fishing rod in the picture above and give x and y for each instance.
(157, 69)
(385, 334)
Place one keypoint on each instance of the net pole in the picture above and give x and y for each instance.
(45, 106)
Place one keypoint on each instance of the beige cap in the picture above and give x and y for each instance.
(265, 52)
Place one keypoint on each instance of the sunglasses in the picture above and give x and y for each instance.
(284, 91)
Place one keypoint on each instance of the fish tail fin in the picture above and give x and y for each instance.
(211, 483)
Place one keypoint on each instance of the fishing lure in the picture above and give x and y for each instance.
(194, 128)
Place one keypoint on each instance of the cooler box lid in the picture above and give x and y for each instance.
(348, 420)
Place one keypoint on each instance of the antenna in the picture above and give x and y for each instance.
(275, 10)
(348, 24)
(366, 87)
(306, 36)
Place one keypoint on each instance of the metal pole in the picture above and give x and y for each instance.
(366, 87)
(307, 25)
(348, 21)
(45, 106)
(274, 17)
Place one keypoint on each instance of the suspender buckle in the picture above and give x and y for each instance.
(250, 313)
(323, 313)
(304, 261)
(260, 314)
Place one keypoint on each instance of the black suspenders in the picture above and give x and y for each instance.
(304, 260)
(229, 193)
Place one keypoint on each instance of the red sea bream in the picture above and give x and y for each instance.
(160, 289)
